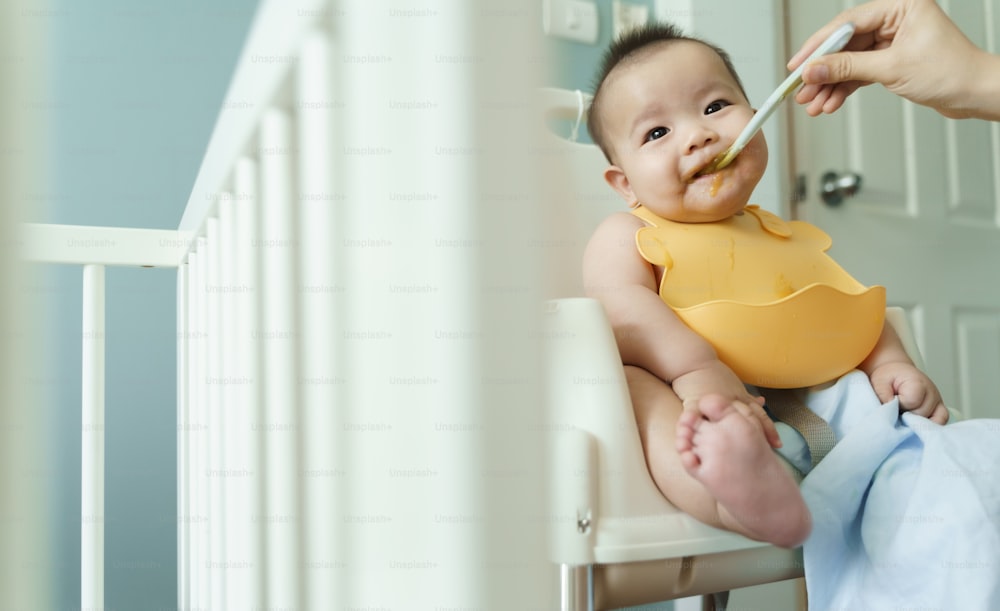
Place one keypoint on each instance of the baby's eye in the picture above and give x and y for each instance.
(716, 106)
(657, 133)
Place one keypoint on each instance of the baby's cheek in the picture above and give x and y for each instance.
(760, 148)
(752, 169)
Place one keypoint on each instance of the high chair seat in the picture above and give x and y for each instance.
(617, 539)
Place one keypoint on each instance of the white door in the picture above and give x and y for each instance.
(925, 221)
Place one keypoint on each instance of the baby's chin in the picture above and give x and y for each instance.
(718, 196)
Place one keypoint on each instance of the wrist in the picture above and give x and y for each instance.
(893, 364)
(980, 98)
(710, 375)
(884, 357)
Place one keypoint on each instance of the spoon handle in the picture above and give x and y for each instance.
(835, 42)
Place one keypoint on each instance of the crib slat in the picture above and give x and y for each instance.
(215, 411)
(248, 594)
(233, 475)
(192, 512)
(92, 477)
(324, 467)
(183, 427)
(200, 454)
(278, 341)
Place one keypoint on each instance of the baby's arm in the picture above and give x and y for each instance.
(648, 333)
(892, 373)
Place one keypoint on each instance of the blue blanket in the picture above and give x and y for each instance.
(906, 513)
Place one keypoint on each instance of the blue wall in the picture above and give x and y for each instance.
(135, 90)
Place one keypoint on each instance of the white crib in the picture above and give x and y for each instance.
(359, 305)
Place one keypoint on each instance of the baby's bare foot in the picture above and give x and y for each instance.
(722, 445)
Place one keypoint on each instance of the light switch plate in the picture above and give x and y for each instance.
(571, 19)
(626, 15)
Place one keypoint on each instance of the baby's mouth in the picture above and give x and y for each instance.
(710, 168)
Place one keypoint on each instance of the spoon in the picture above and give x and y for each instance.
(835, 42)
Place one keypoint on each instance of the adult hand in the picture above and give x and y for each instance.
(913, 49)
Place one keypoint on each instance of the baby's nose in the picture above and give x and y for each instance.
(700, 138)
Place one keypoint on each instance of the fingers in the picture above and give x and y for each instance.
(922, 399)
(838, 95)
(940, 414)
(867, 18)
(916, 392)
(770, 431)
(861, 63)
(832, 78)
(848, 66)
(930, 407)
(884, 388)
(818, 100)
(934, 410)
(825, 98)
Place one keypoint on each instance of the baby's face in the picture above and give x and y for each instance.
(669, 115)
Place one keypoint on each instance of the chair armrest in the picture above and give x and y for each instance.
(896, 317)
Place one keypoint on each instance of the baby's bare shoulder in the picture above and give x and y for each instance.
(616, 226)
(612, 252)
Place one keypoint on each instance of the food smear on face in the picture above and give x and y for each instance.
(713, 190)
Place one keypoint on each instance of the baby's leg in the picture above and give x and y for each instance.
(718, 467)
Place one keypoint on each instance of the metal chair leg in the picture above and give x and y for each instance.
(715, 602)
(575, 588)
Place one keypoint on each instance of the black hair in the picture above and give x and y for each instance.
(627, 48)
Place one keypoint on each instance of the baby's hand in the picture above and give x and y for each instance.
(916, 392)
(720, 383)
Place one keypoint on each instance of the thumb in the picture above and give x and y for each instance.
(866, 66)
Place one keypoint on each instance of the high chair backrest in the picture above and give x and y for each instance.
(576, 193)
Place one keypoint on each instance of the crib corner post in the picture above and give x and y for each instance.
(92, 469)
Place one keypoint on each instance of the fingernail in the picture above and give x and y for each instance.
(816, 73)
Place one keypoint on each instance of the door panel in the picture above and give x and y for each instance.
(924, 223)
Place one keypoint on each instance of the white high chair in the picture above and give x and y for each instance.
(617, 540)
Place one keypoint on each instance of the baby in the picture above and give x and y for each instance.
(664, 107)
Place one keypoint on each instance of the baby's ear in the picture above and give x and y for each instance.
(652, 248)
(615, 177)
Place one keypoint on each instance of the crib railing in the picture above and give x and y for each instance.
(359, 290)
(94, 248)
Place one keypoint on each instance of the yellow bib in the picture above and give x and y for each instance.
(777, 309)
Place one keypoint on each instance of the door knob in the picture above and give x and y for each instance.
(835, 186)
